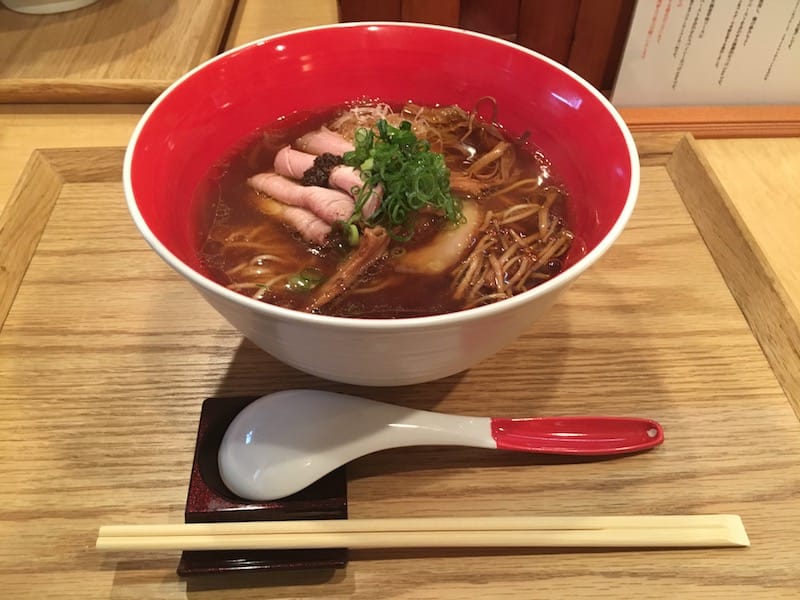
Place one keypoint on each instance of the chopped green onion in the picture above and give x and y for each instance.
(304, 281)
(352, 234)
(412, 177)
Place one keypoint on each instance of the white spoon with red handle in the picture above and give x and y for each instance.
(283, 442)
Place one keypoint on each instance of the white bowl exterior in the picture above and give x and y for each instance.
(423, 351)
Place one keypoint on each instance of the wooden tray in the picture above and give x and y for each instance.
(106, 356)
(110, 51)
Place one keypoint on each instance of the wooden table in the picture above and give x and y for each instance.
(106, 356)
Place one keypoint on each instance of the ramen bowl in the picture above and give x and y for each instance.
(201, 118)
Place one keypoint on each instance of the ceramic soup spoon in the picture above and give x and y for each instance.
(285, 441)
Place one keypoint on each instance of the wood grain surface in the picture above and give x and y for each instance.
(717, 121)
(24, 128)
(767, 199)
(22, 224)
(110, 51)
(254, 19)
(106, 356)
(750, 225)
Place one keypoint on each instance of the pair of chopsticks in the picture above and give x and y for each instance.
(646, 531)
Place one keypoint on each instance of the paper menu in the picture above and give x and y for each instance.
(690, 52)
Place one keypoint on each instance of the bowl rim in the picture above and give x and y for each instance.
(383, 324)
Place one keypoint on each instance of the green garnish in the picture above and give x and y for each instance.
(411, 174)
(304, 281)
(351, 231)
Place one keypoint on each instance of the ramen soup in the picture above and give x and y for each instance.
(381, 212)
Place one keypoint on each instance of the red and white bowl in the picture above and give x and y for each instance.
(202, 116)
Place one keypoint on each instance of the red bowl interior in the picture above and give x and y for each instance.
(202, 117)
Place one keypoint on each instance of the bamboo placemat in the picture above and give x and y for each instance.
(110, 51)
(106, 356)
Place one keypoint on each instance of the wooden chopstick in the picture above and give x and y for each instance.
(663, 531)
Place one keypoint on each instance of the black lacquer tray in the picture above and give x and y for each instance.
(210, 501)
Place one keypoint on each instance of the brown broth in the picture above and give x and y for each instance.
(232, 233)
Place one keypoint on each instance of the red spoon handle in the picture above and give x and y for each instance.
(587, 436)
